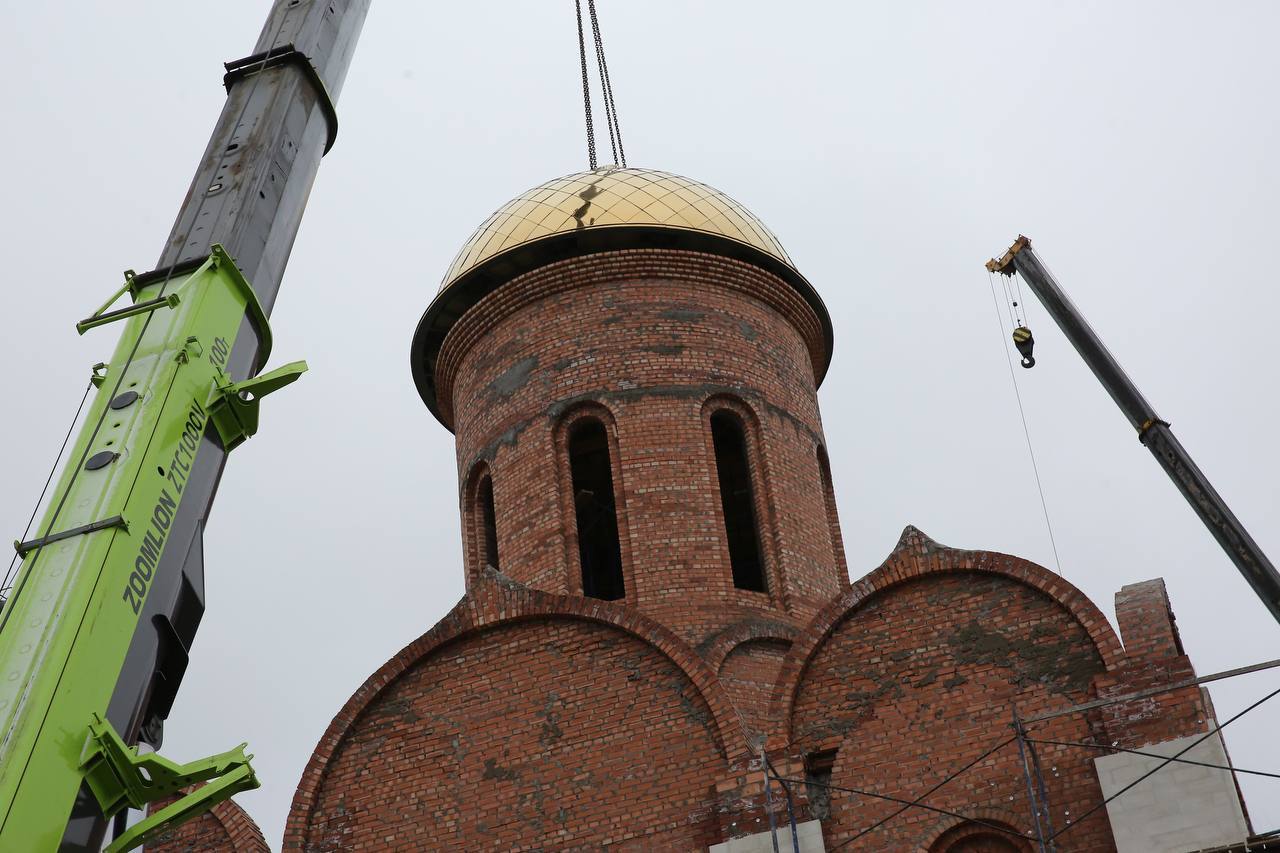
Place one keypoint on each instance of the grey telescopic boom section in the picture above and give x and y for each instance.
(248, 194)
(1152, 431)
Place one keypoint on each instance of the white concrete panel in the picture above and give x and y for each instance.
(1181, 807)
(809, 834)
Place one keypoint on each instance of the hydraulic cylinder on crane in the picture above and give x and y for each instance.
(96, 629)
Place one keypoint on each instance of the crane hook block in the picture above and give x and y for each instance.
(1025, 343)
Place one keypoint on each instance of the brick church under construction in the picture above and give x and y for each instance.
(658, 612)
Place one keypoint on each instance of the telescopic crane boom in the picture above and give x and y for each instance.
(1152, 431)
(95, 630)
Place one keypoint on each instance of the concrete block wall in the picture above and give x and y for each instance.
(1181, 807)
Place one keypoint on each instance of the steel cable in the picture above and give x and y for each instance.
(1044, 505)
(586, 89)
(606, 89)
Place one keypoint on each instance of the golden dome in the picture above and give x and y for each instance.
(603, 210)
(612, 197)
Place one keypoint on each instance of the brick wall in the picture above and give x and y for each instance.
(534, 718)
(922, 678)
(538, 733)
(650, 342)
(1154, 658)
(526, 719)
(223, 829)
(749, 673)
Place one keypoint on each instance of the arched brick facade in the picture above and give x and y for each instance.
(918, 668)
(916, 555)
(987, 831)
(532, 717)
(560, 714)
(717, 647)
(225, 828)
(747, 673)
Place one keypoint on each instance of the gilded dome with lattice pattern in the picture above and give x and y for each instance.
(608, 198)
(604, 210)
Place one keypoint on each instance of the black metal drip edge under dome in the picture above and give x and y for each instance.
(462, 294)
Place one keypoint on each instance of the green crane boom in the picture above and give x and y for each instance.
(96, 628)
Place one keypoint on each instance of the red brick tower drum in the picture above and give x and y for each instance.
(629, 361)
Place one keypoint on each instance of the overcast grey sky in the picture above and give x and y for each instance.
(892, 147)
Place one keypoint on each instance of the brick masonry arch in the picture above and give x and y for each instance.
(226, 826)
(716, 648)
(916, 556)
(950, 830)
(497, 603)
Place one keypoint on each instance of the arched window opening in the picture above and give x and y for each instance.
(599, 550)
(488, 524)
(986, 836)
(738, 502)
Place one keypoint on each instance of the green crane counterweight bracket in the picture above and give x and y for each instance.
(234, 407)
(119, 777)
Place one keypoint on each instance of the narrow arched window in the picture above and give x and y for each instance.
(738, 501)
(488, 523)
(596, 511)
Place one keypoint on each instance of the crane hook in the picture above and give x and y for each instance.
(1025, 343)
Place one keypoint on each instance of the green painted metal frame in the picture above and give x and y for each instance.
(66, 628)
(121, 778)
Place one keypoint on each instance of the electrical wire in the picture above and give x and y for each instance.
(1044, 505)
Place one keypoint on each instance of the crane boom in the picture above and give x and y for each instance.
(95, 631)
(1153, 432)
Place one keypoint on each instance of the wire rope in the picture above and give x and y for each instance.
(606, 88)
(586, 89)
(1103, 748)
(1044, 505)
